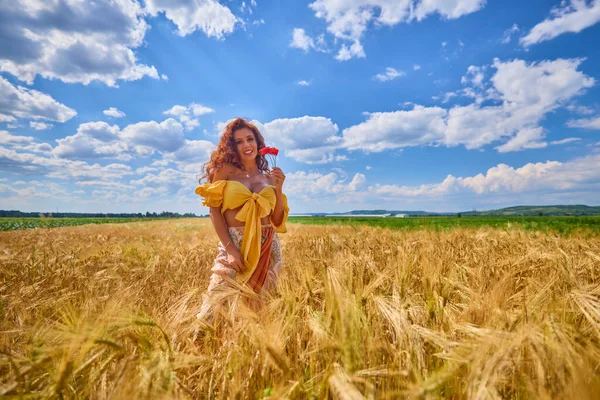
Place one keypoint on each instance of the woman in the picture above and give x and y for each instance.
(247, 209)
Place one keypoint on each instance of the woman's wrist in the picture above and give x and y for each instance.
(230, 248)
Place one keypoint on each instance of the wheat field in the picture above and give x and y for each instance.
(108, 312)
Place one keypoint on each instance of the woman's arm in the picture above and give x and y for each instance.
(220, 226)
(278, 178)
(277, 217)
(234, 257)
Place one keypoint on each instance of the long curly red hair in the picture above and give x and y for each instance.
(226, 152)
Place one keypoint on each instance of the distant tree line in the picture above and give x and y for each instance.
(164, 214)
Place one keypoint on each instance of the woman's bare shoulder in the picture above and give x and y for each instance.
(225, 172)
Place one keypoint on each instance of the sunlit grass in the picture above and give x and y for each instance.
(361, 312)
(552, 224)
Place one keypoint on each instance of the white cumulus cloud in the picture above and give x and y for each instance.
(565, 141)
(167, 181)
(7, 138)
(507, 36)
(348, 20)
(474, 76)
(114, 112)
(40, 126)
(390, 130)
(528, 138)
(312, 140)
(355, 50)
(20, 102)
(73, 41)
(576, 180)
(191, 155)
(92, 140)
(209, 16)
(187, 115)
(585, 123)
(390, 74)
(166, 136)
(301, 40)
(309, 186)
(573, 16)
(52, 167)
(520, 95)
(101, 140)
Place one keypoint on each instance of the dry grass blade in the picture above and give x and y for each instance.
(341, 386)
(589, 304)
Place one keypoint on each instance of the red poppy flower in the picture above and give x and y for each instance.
(272, 151)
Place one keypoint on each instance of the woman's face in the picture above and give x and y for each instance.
(245, 144)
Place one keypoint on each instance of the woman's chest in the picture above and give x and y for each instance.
(254, 185)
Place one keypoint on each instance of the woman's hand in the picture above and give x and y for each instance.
(278, 177)
(234, 259)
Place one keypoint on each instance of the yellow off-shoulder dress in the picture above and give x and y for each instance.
(232, 194)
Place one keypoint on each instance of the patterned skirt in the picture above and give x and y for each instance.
(222, 286)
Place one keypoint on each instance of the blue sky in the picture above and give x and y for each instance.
(435, 105)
